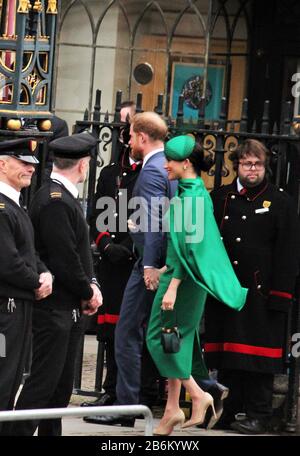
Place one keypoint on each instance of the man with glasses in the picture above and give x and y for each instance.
(260, 230)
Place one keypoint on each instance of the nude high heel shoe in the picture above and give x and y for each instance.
(167, 428)
(199, 414)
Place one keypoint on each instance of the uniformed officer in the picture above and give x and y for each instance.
(62, 240)
(117, 258)
(23, 277)
(260, 229)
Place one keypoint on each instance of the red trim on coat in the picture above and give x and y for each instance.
(107, 318)
(282, 294)
(224, 210)
(236, 193)
(100, 236)
(243, 349)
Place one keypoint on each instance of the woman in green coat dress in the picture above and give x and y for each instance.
(196, 264)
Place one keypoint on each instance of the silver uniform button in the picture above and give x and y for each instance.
(235, 262)
(238, 239)
(232, 197)
(244, 217)
(115, 214)
(226, 217)
(258, 287)
(124, 174)
(120, 193)
(113, 236)
(281, 190)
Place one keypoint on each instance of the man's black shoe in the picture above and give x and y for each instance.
(111, 420)
(104, 399)
(219, 393)
(249, 426)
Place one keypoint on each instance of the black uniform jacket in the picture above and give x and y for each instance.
(260, 230)
(62, 240)
(115, 181)
(19, 265)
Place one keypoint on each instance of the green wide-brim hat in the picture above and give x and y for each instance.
(180, 147)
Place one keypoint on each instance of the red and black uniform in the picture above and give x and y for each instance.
(117, 256)
(114, 268)
(260, 230)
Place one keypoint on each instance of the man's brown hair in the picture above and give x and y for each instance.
(151, 124)
(250, 147)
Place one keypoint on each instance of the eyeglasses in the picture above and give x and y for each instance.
(249, 165)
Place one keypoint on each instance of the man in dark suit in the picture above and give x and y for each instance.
(62, 240)
(117, 257)
(23, 277)
(260, 229)
(147, 134)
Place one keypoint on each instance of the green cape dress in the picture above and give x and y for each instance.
(196, 255)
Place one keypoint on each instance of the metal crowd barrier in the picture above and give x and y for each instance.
(120, 410)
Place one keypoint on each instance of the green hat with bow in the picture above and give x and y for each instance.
(180, 147)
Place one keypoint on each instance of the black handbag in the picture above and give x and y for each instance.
(170, 338)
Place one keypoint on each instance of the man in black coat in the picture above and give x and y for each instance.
(23, 277)
(62, 240)
(260, 229)
(117, 258)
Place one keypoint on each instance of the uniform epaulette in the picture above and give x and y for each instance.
(2, 206)
(55, 195)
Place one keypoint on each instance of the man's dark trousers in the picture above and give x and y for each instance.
(51, 382)
(16, 326)
(129, 336)
(252, 390)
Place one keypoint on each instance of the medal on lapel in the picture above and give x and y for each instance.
(265, 208)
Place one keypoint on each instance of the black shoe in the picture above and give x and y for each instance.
(104, 399)
(111, 420)
(249, 426)
(222, 425)
(219, 393)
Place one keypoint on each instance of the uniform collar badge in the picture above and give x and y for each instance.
(266, 203)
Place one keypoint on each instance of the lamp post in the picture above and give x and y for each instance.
(27, 40)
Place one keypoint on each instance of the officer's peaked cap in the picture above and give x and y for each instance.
(75, 146)
(20, 148)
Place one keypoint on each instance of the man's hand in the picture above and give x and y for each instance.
(90, 307)
(46, 286)
(151, 278)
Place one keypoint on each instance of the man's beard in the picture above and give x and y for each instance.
(248, 183)
(136, 154)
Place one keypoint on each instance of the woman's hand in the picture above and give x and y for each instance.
(169, 299)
